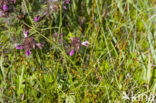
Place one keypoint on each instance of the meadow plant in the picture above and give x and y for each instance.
(28, 44)
(77, 51)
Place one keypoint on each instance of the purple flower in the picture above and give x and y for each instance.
(26, 32)
(5, 7)
(85, 43)
(71, 52)
(14, 1)
(19, 47)
(39, 45)
(29, 43)
(27, 52)
(65, 7)
(66, 1)
(76, 45)
(36, 19)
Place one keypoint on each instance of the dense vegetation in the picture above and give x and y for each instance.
(77, 51)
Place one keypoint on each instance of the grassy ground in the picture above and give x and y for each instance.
(119, 65)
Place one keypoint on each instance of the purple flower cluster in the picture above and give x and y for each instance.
(6, 6)
(66, 1)
(65, 4)
(76, 44)
(29, 43)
